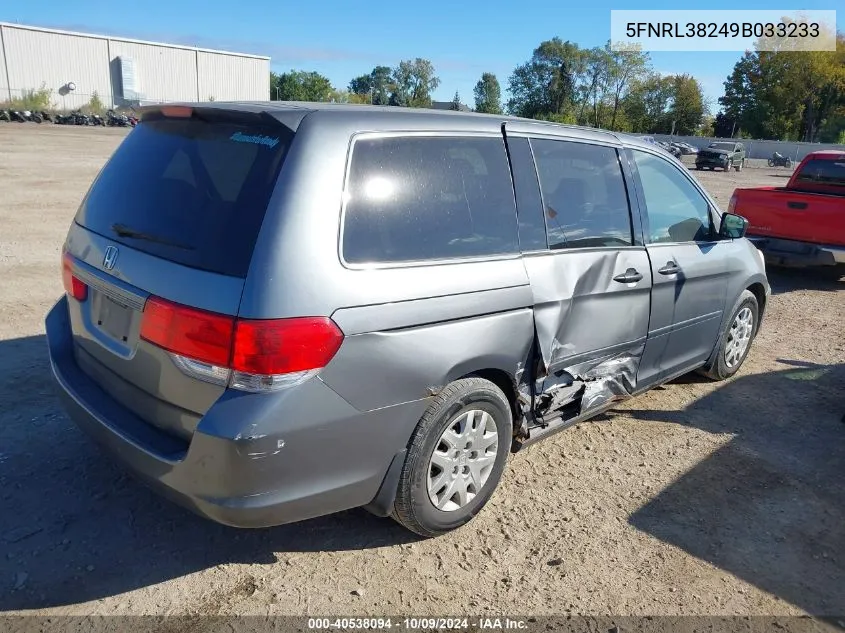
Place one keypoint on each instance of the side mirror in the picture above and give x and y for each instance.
(732, 226)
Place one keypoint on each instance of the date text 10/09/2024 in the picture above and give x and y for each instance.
(411, 624)
(721, 30)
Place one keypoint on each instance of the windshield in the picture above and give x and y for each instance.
(188, 190)
(726, 147)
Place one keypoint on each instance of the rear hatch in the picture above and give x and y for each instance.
(161, 246)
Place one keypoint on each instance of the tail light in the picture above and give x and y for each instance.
(732, 204)
(74, 286)
(245, 354)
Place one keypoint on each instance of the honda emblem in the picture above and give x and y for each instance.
(110, 258)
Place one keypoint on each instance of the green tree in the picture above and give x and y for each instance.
(456, 102)
(375, 86)
(787, 94)
(488, 94)
(723, 126)
(688, 107)
(647, 103)
(592, 86)
(624, 67)
(300, 85)
(95, 105)
(564, 82)
(413, 82)
(545, 84)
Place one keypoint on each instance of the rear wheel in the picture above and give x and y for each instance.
(833, 273)
(735, 341)
(770, 163)
(455, 458)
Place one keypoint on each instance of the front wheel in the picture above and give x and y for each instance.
(788, 163)
(455, 458)
(735, 341)
(770, 163)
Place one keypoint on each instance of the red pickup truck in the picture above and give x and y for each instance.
(802, 224)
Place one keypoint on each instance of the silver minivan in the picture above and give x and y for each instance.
(276, 311)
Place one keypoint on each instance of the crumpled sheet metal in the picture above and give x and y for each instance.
(608, 379)
(578, 305)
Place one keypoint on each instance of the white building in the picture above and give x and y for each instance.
(75, 66)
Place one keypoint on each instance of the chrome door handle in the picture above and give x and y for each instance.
(630, 276)
(669, 269)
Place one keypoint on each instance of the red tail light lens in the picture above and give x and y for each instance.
(252, 349)
(284, 346)
(74, 286)
(197, 334)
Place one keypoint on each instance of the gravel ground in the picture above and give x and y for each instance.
(696, 498)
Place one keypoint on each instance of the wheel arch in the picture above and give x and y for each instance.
(759, 291)
(756, 287)
(499, 370)
(488, 368)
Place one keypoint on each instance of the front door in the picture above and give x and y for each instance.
(689, 267)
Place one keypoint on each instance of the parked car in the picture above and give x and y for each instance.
(287, 311)
(724, 155)
(670, 147)
(803, 223)
(686, 148)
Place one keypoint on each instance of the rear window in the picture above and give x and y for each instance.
(823, 172)
(188, 190)
(415, 198)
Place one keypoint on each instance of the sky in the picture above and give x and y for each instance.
(342, 39)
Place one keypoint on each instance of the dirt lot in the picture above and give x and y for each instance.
(696, 498)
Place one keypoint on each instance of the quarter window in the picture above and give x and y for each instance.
(584, 194)
(677, 212)
(424, 198)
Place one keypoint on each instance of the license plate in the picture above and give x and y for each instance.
(114, 319)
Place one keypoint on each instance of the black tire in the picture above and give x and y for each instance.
(720, 369)
(770, 163)
(788, 163)
(413, 508)
(698, 167)
(833, 273)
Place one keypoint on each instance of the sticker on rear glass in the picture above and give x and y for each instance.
(258, 139)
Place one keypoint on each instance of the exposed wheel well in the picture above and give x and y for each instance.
(503, 381)
(760, 294)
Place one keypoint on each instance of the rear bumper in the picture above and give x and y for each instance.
(255, 460)
(781, 252)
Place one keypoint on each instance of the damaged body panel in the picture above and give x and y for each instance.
(590, 329)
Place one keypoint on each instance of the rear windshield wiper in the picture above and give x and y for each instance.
(124, 231)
